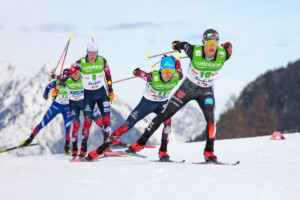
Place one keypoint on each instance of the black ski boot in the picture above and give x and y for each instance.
(67, 148)
(163, 154)
(209, 155)
(27, 142)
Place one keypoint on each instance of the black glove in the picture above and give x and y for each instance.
(135, 71)
(45, 96)
(175, 46)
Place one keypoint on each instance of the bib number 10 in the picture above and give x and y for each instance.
(204, 74)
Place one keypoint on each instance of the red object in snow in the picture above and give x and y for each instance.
(277, 136)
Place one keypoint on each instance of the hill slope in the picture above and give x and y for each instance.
(265, 172)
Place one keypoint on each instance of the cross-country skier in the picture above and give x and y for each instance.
(95, 74)
(76, 102)
(60, 105)
(158, 88)
(206, 63)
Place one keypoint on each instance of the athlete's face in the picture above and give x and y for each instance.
(92, 56)
(76, 76)
(166, 76)
(210, 48)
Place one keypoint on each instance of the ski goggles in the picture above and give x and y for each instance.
(167, 70)
(95, 53)
(211, 42)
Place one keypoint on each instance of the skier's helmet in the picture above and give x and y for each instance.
(167, 62)
(92, 47)
(210, 34)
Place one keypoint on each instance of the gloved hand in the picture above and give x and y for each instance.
(54, 93)
(175, 46)
(227, 45)
(111, 95)
(45, 96)
(135, 71)
(52, 75)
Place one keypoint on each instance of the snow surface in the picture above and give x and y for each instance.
(268, 170)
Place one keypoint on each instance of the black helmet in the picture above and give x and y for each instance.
(210, 34)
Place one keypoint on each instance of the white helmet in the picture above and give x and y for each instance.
(92, 47)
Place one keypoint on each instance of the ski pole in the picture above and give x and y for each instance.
(62, 66)
(17, 147)
(153, 66)
(161, 54)
(124, 79)
(182, 57)
(92, 37)
(62, 55)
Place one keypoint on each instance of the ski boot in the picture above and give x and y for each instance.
(67, 148)
(209, 155)
(27, 142)
(134, 148)
(118, 143)
(139, 145)
(83, 150)
(74, 150)
(163, 155)
(98, 152)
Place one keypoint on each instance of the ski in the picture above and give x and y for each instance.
(168, 161)
(17, 147)
(123, 153)
(217, 163)
(79, 160)
(127, 145)
(74, 159)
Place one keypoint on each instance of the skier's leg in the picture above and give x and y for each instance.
(89, 105)
(144, 108)
(49, 115)
(163, 155)
(207, 103)
(68, 122)
(183, 95)
(98, 120)
(104, 108)
(75, 112)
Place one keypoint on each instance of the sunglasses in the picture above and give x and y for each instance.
(211, 42)
(165, 71)
(92, 53)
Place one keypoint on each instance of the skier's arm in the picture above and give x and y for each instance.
(107, 75)
(187, 47)
(143, 75)
(228, 48)
(74, 67)
(49, 87)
